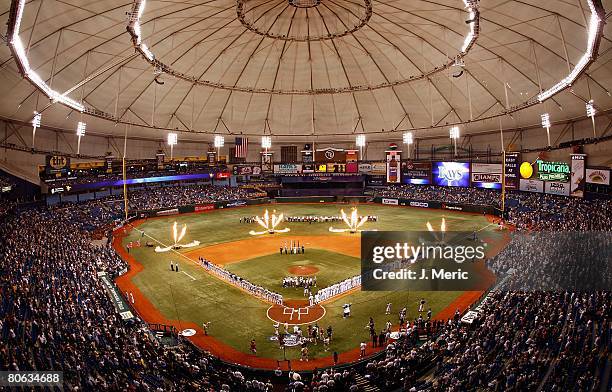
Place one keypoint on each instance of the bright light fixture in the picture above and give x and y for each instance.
(81, 126)
(172, 139)
(360, 140)
(266, 142)
(408, 138)
(36, 120)
(454, 132)
(545, 120)
(219, 141)
(590, 109)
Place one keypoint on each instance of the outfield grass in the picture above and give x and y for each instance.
(194, 295)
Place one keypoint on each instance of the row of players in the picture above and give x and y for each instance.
(309, 219)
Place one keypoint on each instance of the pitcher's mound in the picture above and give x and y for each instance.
(303, 270)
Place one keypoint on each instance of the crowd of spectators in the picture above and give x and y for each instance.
(447, 194)
(56, 314)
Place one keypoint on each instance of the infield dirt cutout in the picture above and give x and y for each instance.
(241, 250)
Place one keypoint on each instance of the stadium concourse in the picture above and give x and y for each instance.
(56, 314)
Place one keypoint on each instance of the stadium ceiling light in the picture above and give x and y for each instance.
(590, 109)
(360, 141)
(266, 142)
(219, 141)
(591, 112)
(408, 138)
(594, 37)
(454, 134)
(35, 125)
(172, 139)
(80, 131)
(24, 65)
(546, 124)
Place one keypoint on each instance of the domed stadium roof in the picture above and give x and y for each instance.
(328, 68)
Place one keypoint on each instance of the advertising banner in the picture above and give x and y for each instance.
(553, 171)
(416, 173)
(390, 202)
(266, 162)
(511, 167)
(487, 175)
(119, 303)
(204, 207)
(57, 164)
(308, 168)
(578, 181)
(287, 168)
(451, 174)
(379, 168)
(598, 176)
(394, 175)
(246, 170)
(531, 185)
(557, 188)
(330, 155)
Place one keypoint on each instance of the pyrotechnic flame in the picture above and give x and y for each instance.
(174, 233)
(443, 226)
(269, 222)
(183, 231)
(429, 227)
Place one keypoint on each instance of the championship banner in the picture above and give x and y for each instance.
(487, 175)
(531, 186)
(394, 159)
(416, 173)
(557, 188)
(577, 182)
(109, 163)
(161, 157)
(598, 176)
(511, 168)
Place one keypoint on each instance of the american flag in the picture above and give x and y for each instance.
(242, 147)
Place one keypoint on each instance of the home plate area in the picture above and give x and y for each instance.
(296, 314)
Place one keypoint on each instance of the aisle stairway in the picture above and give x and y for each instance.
(365, 385)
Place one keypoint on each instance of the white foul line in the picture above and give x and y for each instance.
(192, 278)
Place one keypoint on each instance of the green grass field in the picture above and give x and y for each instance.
(193, 295)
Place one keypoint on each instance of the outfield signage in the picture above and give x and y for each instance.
(287, 168)
(511, 169)
(553, 171)
(118, 302)
(578, 181)
(204, 207)
(598, 176)
(172, 211)
(451, 174)
(418, 173)
(487, 175)
(531, 185)
(390, 202)
(557, 188)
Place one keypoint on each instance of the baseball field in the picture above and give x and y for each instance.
(193, 296)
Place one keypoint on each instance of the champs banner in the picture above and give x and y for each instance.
(487, 175)
(577, 182)
(393, 167)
